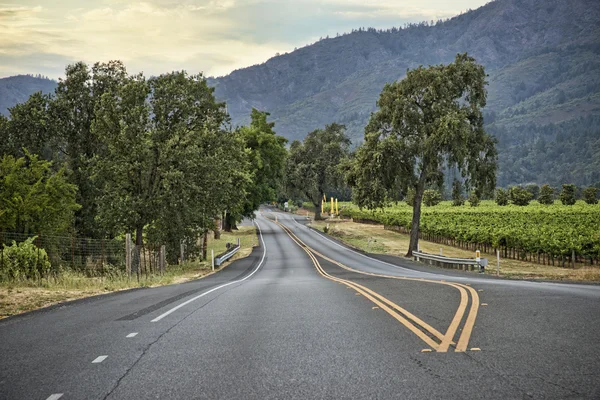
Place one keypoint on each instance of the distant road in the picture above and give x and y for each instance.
(306, 317)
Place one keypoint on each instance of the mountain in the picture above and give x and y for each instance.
(542, 58)
(17, 89)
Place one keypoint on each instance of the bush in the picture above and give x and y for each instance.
(457, 197)
(567, 195)
(431, 197)
(473, 199)
(546, 195)
(23, 261)
(519, 196)
(590, 195)
(501, 197)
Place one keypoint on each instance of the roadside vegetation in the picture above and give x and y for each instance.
(17, 296)
(374, 238)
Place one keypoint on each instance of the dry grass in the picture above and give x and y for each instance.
(374, 238)
(18, 297)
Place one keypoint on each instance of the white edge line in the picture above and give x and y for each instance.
(356, 252)
(185, 303)
(55, 396)
(99, 359)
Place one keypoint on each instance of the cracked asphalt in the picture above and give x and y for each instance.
(279, 329)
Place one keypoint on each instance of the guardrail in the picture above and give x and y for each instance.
(465, 264)
(221, 258)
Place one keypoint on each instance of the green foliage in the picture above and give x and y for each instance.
(431, 197)
(556, 230)
(33, 197)
(546, 195)
(313, 167)
(567, 195)
(519, 196)
(427, 122)
(22, 261)
(267, 155)
(409, 199)
(534, 190)
(474, 199)
(457, 193)
(168, 163)
(590, 195)
(501, 197)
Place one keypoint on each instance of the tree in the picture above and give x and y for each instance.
(501, 197)
(313, 166)
(34, 198)
(590, 195)
(457, 197)
(168, 166)
(431, 197)
(546, 195)
(474, 199)
(534, 190)
(429, 121)
(73, 113)
(30, 128)
(567, 195)
(519, 196)
(267, 156)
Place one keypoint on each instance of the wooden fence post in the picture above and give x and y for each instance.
(128, 254)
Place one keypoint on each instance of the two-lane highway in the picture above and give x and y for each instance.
(306, 317)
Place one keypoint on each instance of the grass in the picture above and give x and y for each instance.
(375, 239)
(22, 296)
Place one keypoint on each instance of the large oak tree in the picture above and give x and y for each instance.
(428, 121)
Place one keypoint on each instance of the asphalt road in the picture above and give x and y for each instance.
(306, 317)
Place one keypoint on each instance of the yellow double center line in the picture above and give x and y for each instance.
(419, 327)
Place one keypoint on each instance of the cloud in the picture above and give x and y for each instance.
(214, 36)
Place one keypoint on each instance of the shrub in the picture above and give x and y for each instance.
(501, 197)
(519, 196)
(457, 197)
(567, 195)
(431, 197)
(590, 195)
(23, 261)
(546, 195)
(473, 199)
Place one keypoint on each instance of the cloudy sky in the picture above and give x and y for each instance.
(210, 36)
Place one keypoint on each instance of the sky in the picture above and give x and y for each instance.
(210, 36)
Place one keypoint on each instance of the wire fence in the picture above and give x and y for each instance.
(83, 254)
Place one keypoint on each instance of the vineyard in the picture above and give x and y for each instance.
(559, 234)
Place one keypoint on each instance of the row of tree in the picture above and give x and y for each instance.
(110, 152)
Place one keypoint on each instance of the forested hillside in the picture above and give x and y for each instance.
(542, 58)
(543, 61)
(17, 89)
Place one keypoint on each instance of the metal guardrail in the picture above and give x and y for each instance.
(226, 256)
(466, 264)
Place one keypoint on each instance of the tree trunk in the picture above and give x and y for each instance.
(416, 219)
(317, 205)
(139, 238)
(229, 223)
(205, 246)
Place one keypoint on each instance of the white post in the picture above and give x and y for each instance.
(497, 262)
(212, 255)
(181, 252)
(441, 252)
(128, 254)
(238, 242)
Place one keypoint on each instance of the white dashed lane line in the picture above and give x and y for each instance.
(55, 396)
(99, 359)
(133, 334)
